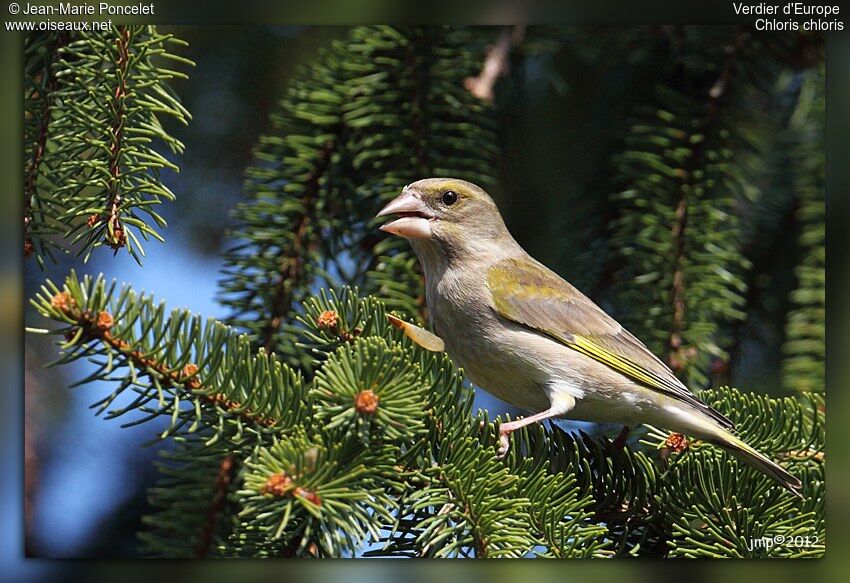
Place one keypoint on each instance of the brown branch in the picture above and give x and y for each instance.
(444, 509)
(226, 471)
(32, 176)
(98, 327)
(677, 288)
(115, 234)
(30, 182)
(496, 64)
(292, 263)
(802, 456)
(480, 544)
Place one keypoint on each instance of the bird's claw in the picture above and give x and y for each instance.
(504, 445)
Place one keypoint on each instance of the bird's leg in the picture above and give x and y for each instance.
(620, 441)
(506, 429)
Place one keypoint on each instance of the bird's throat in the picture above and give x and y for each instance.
(431, 257)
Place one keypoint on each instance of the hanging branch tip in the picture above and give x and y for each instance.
(496, 64)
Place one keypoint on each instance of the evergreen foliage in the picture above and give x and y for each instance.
(803, 368)
(691, 160)
(41, 208)
(308, 425)
(399, 461)
(94, 109)
(372, 114)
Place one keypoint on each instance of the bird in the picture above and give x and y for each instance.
(528, 337)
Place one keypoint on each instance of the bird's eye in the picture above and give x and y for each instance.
(449, 197)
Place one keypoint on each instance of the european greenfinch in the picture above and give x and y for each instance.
(525, 335)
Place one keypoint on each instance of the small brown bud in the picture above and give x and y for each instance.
(308, 495)
(92, 220)
(676, 442)
(366, 402)
(327, 320)
(118, 239)
(190, 370)
(104, 321)
(62, 301)
(277, 485)
(28, 247)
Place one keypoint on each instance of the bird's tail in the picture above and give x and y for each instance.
(762, 463)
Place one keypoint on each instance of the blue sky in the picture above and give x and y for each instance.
(92, 459)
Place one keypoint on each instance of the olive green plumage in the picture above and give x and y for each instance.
(529, 293)
(530, 338)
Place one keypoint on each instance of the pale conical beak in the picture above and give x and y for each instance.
(415, 220)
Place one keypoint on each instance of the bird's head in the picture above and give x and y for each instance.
(454, 215)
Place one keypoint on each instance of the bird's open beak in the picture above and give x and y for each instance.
(415, 220)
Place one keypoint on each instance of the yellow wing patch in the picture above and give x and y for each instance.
(616, 362)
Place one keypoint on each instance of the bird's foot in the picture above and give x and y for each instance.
(620, 441)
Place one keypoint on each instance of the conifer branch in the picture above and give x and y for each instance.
(323, 488)
(98, 327)
(44, 95)
(292, 263)
(803, 368)
(201, 377)
(677, 355)
(373, 119)
(42, 208)
(111, 99)
(226, 473)
(116, 238)
(677, 232)
(382, 447)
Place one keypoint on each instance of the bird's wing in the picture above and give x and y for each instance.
(526, 292)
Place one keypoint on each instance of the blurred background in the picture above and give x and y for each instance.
(86, 479)
(562, 112)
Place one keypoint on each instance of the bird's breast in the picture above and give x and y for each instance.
(492, 355)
